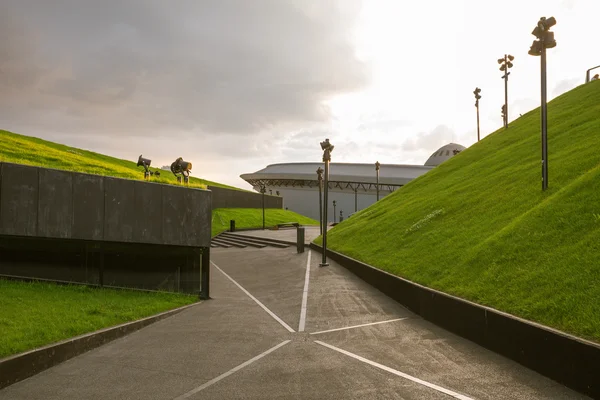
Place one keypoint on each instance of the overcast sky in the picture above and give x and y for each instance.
(234, 85)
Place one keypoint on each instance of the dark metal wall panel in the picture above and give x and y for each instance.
(148, 213)
(88, 207)
(119, 210)
(198, 218)
(229, 198)
(19, 200)
(55, 206)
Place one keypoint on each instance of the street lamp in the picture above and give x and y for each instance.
(356, 198)
(334, 211)
(505, 64)
(477, 97)
(327, 149)
(545, 40)
(320, 180)
(263, 190)
(377, 165)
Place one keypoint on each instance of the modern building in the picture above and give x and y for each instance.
(352, 186)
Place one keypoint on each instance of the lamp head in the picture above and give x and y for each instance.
(143, 162)
(326, 145)
(510, 58)
(377, 165)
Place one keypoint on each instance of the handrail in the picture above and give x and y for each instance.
(587, 73)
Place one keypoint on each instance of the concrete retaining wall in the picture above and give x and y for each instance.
(105, 231)
(229, 198)
(566, 359)
(42, 202)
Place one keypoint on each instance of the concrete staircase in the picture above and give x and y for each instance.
(228, 240)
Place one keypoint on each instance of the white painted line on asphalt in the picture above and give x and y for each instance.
(286, 326)
(231, 371)
(397, 373)
(359, 326)
(304, 296)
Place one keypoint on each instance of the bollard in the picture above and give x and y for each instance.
(232, 225)
(300, 239)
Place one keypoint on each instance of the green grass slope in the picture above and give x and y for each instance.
(252, 218)
(21, 149)
(479, 226)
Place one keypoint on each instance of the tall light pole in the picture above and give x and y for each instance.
(356, 198)
(377, 165)
(327, 149)
(545, 40)
(505, 64)
(320, 180)
(334, 203)
(477, 97)
(263, 190)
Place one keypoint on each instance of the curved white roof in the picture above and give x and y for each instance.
(390, 174)
(444, 153)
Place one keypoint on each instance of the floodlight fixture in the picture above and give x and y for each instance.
(377, 165)
(182, 167)
(145, 162)
(545, 40)
(506, 65)
(477, 97)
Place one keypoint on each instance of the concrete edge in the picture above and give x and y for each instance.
(564, 358)
(24, 365)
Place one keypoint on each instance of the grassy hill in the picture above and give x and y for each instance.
(33, 151)
(252, 218)
(479, 226)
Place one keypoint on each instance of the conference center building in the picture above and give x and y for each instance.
(352, 186)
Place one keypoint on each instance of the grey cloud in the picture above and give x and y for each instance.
(137, 67)
(565, 85)
(432, 140)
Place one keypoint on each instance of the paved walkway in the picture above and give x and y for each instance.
(288, 234)
(275, 330)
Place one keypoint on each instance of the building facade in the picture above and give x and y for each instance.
(352, 186)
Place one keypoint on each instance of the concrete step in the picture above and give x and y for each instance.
(242, 241)
(221, 241)
(220, 244)
(255, 239)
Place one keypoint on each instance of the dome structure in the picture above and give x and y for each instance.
(444, 153)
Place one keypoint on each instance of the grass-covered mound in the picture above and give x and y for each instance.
(479, 226)
(252, 218)
(29, 150)
(36, 314)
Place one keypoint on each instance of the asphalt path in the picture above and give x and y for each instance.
(275, 329)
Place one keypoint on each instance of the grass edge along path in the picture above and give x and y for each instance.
(479, 226)
(35, 314)
(246, 218)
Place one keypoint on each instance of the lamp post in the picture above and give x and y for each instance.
(263, 190)
(377, 165)
(327, 149)
(545, 40)
(356, 198)
(320, 180)
(477, 97)
(505, 64)
(334, 203)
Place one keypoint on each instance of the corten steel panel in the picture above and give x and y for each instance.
(55, 207)
(186, 216)
(229, 198)
(19, 200)
(148, 212)
(119, 210)
(88, 207)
